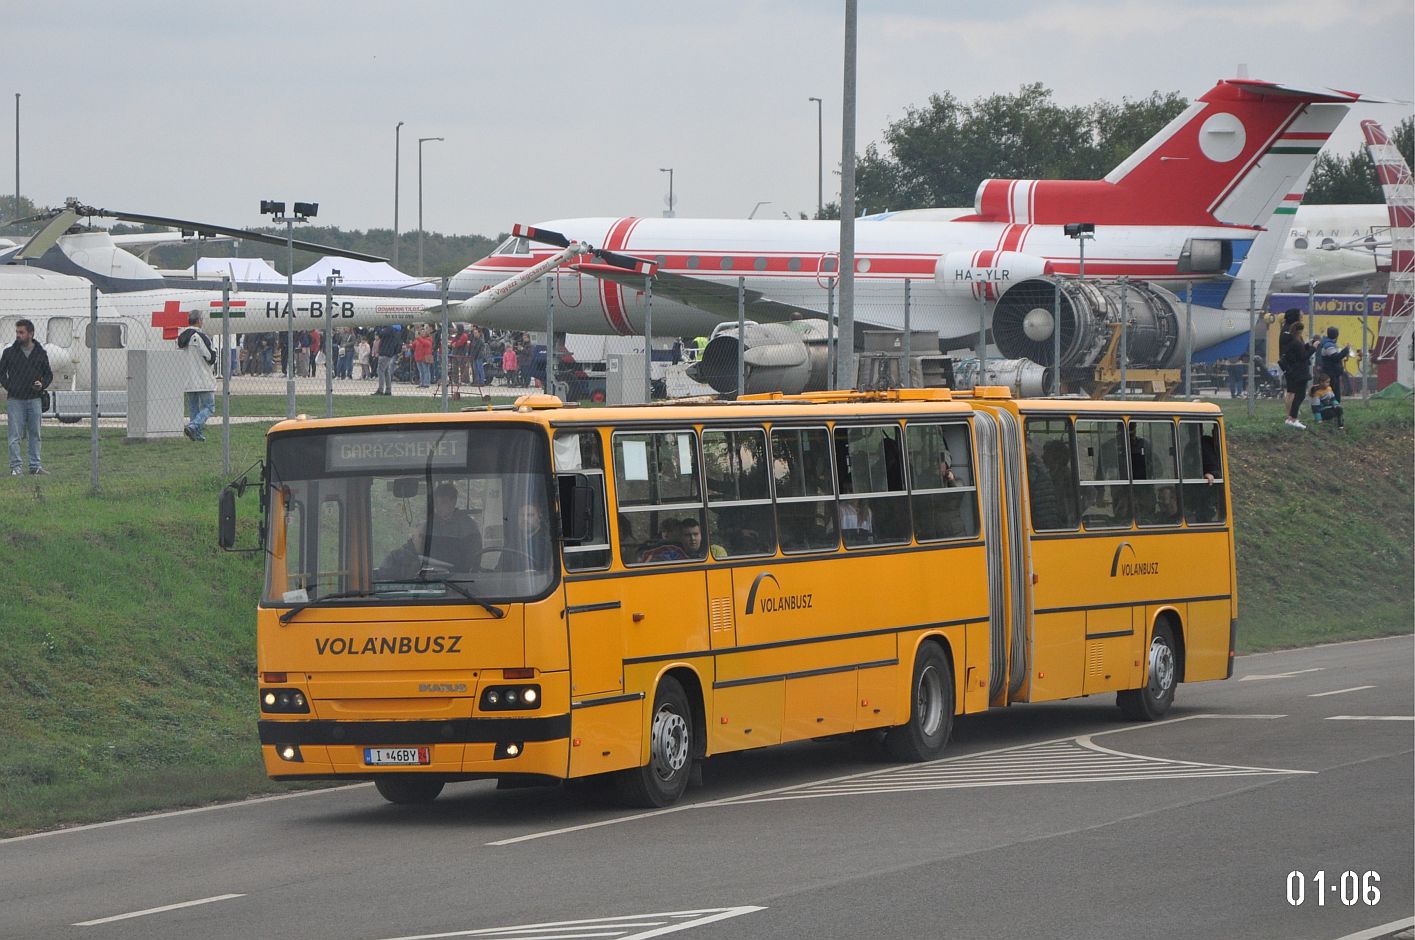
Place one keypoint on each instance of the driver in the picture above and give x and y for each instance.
(455, 542)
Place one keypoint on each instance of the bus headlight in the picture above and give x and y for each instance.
(287, 701)
(290, 752)
(510, 698)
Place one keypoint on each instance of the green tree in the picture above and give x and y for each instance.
(1351, 179)
(937, 155)
(7, 212)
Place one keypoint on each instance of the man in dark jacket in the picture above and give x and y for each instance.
(24, 374)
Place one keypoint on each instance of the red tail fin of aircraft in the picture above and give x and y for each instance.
(1229, 159)
(1399, 191)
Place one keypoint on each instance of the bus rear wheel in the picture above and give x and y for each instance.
(662, 781)
(408, 791)
(1161, 673)
(930, 723)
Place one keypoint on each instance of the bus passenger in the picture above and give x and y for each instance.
(690, 537)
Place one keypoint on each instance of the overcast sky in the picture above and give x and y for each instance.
(556, 109)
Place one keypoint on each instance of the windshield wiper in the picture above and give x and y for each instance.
(289, 615)
(492, 609)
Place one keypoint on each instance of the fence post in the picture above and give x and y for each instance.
(1056, 338)
(1252, 347)
(648, 339)
(549, 329)
(1124, 335)
(93, 387)
(1188, 338)
(226, 375)
(906, 348)
(328, 346)
(982, 378)
(446, 338)
(831, 379)
(741, 336)
(1365, 353)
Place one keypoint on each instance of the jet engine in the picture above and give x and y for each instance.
(1023, 377)
(1022, 322)
(779, 357)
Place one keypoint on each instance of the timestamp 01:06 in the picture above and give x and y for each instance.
(1350, 887)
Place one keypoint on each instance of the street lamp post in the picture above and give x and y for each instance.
(304, 211)
(669, 171)
(421, 141)
(397, 156)
(820, 160)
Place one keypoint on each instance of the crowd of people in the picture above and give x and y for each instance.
(411, 354)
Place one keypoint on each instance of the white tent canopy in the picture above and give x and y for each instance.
(241, 270)
(360, 274)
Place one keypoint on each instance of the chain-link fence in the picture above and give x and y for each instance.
(198, 362)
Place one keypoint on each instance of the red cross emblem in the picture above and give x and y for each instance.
(172, 318)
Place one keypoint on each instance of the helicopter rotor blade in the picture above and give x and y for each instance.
(44, 239)
(543, 235)
(207, 228)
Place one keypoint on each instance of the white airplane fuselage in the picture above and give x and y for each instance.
(795, 262)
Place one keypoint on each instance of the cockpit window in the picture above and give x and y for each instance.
(514, 246)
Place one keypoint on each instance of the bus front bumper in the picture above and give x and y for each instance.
(458, 746)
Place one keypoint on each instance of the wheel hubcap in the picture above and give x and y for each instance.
(928, 703)
(670, 743)
(1161, 667)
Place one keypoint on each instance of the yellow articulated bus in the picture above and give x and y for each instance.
(548, 593)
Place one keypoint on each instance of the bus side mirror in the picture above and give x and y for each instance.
(226, 519)
(577, 508)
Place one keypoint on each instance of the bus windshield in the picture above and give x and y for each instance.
(445, 514)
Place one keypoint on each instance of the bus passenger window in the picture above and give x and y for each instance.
(660, 497)
(874, 509)
(1155, 468)
(579, 452)
(1102, 450)
(1202, 469)
(1051, 474)
(740, 520)
(805, 489)
(941, 482)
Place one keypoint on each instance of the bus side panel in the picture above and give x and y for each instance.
(1206, 640)
(973, 686)
(606, 737)
(1058, 656)
(1111, 646)
(877, 693)
(665, 613)
(819, 705)
(746, 716)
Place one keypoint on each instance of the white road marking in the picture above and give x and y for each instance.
(157, 910)
(1375, 932)
(1371, 718)
(1079, 760)
(1354, 688)
(181, 812)
(1283, 675)
(1001, 754)
(640, 927)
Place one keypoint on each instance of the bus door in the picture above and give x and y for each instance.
(990, 498)
(593, 614)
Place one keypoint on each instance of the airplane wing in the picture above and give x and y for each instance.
(713, 297)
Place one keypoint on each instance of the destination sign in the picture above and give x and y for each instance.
(396, 450)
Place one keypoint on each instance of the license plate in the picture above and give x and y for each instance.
(383, 756)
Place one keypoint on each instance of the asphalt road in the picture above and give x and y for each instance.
(1043, 821)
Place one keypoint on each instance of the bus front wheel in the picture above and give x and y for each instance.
(408, 790)
(930, 710)
(1161, 673)
(663, 779)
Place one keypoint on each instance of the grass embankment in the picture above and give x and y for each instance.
(128, 660)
